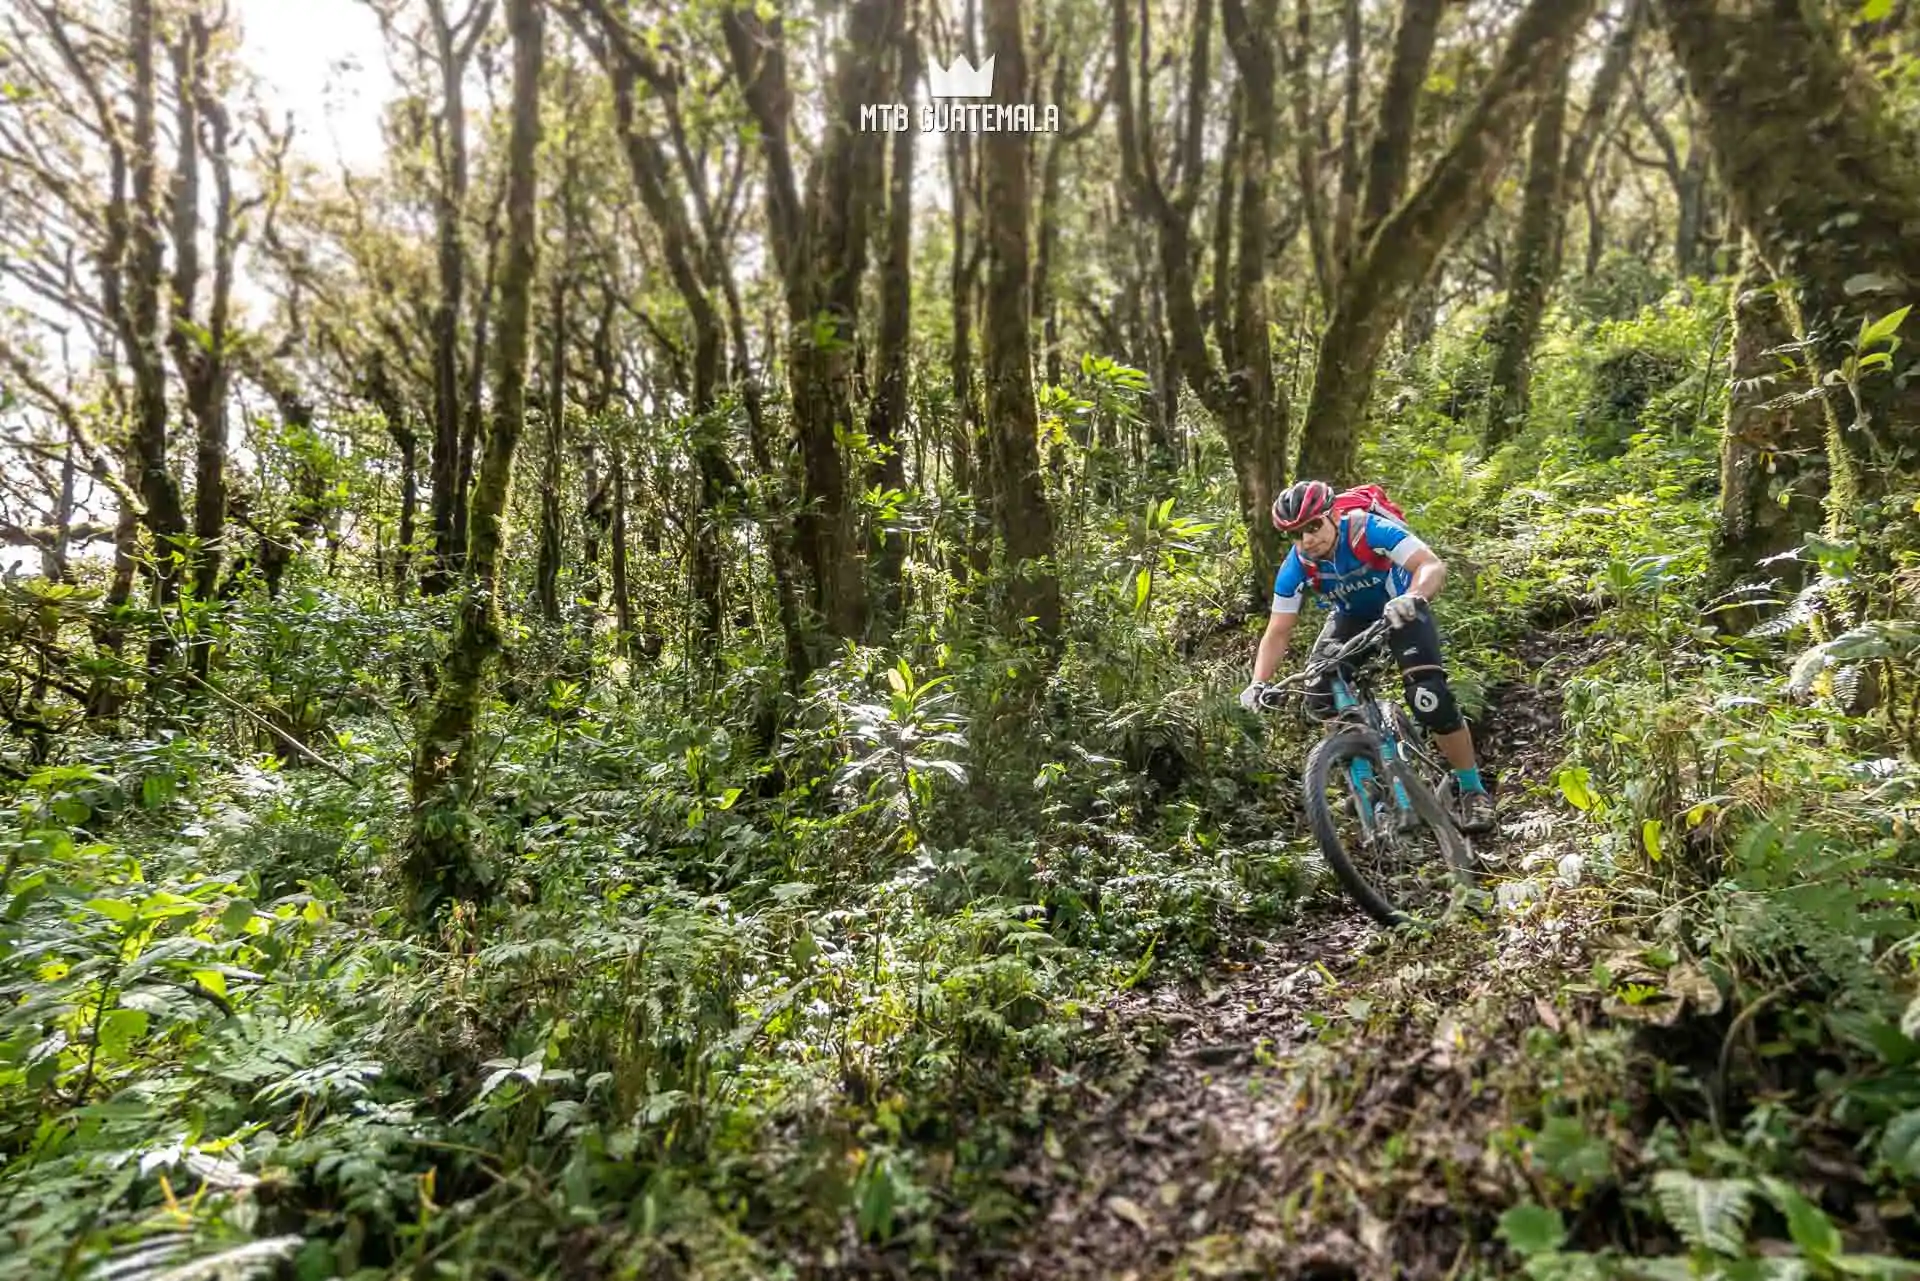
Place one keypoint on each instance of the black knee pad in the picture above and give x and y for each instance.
(1432, 702)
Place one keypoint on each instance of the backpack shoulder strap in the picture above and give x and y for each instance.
(1357, 540)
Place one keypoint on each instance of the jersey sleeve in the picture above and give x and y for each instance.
(1290, 585)
(1393, 540)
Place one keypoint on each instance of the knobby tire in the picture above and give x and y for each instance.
(1327, 763)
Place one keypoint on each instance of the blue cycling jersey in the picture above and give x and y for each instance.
(1348, 584)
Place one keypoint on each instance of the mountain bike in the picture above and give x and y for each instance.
(1377, 796)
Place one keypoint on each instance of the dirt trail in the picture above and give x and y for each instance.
(1325, 1110)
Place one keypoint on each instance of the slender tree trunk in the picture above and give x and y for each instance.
(972, 469)
(1390, 157)
(1252, 413)
(439, 864)
(887, 417)
(1256, 417)
(386, 398)
(200, 354)
(1347, 194)
(547, 568)
(1306, 164)
(453, 51)
(1398, 260)
(622, 594)
(1531, 280)
(1021, 514)
(1772, 461)
(473, 416)
(139, 332)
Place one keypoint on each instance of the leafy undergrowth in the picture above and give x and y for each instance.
(704, 1031)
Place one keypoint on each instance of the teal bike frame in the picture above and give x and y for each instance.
(1360, 770)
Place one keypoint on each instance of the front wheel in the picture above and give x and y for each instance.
(1397, 865)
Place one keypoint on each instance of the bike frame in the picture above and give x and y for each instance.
(1346, 701)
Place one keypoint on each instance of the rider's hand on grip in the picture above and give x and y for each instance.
(1401, 610)
(1251, 697)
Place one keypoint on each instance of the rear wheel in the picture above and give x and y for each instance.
(1396, 865)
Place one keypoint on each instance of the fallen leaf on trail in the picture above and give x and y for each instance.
(1546, 1013)
(1124, 1208)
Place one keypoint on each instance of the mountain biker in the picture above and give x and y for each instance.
(1366, 565)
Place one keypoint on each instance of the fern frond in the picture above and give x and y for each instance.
(1798, 613)
(1709, 1214)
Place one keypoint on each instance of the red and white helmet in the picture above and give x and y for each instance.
(1302, 503)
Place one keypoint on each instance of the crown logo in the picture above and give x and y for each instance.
(961, 80)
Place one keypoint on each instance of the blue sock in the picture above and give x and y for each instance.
(1469, 779)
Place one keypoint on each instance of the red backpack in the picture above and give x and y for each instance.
(1373, 500)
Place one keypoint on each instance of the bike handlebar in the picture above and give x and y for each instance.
(1272, 696)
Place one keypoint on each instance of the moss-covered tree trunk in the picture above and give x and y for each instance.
(440, 865)
(887, 415)
(1021, 514)
(552, 458)
(200, 349)
(399, 423)
(138, 326)
(1772, 454)
(553, 438)
(1518, 323)
(454, 43)
(1255, 421)
(1827, 182)
(1403, 251)
(617, 554)
(971, 469)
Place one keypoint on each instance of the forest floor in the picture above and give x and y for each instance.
(1344, 1103)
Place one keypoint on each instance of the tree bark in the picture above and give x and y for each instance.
(622, 594)
(887, 416)
(1046, 306)
(454, 44)
(1772, 463)
(1374, 295)
(201, 354)
(139, 331)
(1022, 516)
(399, 423)
(1306, 164)
(439, 865)
(552, 454)
(1827, 182)
(1257, 412)
(1390, 157)
(1518, 323)
(972, 469)
(1347, 194)
(648, 165)
(473, 416)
